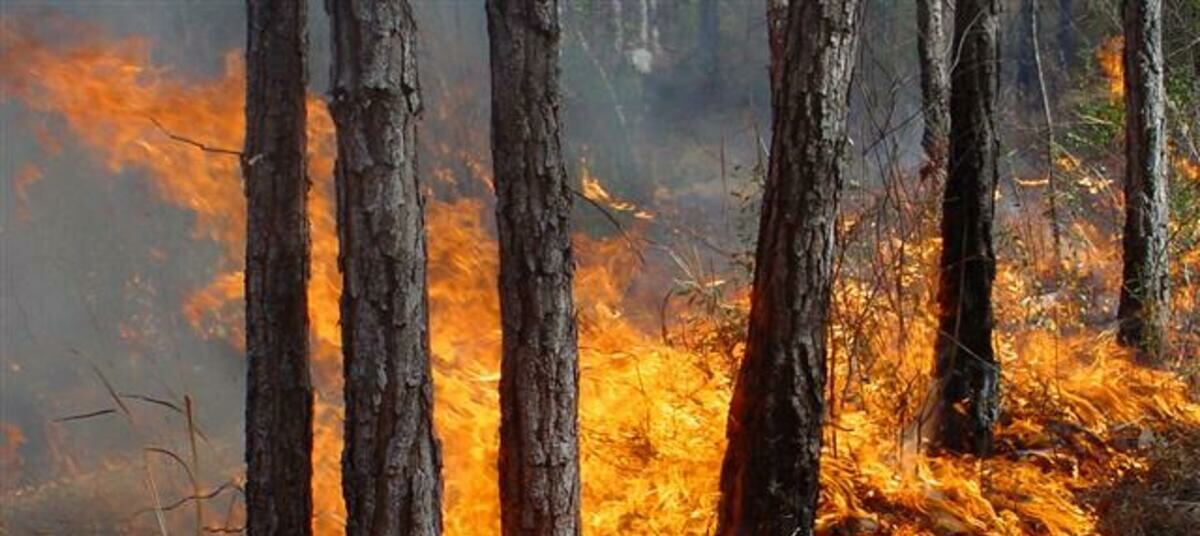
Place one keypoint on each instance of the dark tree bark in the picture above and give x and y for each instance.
(967, 373)
(279, 395)
(539, 443)
(391, 465)
(1144, 307)
(1066, 33)
(933, 48)
(769, 478)
(1026, 68)
(776, 30)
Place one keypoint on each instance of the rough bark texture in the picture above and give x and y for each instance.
(391, 465)
(776, 30)
(279, 396)
(769, 478)
(1144, 308)
(933, 48)
(539, 432)
(966, 370)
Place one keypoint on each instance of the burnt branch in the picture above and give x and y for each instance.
(199, 145)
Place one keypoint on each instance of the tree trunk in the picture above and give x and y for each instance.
(279, 397)
(391, 464)
(966, 370)
(539, 443)
(769, 478)
(1066, 34)
(1026, 67)
(1144, 307)
(709, 45)
(776, 27)
(933, 47)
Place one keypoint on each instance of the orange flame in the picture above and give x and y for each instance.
(11, 439)
(1112, 65)
(25, 177)
(652, 414)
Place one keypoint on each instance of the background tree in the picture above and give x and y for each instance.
(279, 397)
(966, 371)
(709, 43)
(933, 49)
(1066, 34)
(769, 478)
(391, 466)
(539, 442)
(777, 11)
(1144, 309)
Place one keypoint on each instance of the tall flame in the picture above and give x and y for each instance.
(652, 413)
(1112, 65)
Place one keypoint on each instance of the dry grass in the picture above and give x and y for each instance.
(1162, 499)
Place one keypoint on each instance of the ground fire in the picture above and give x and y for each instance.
(1084, 432)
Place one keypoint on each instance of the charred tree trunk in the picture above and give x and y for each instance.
(1144, 308)
(279, 397)
(539, 443)
(769, 478)
(967, 374)
(391, 464)
(933, 47)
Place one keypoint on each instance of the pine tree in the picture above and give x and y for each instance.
(770, 475)
(279, 399)
(391, 465)
(966, 370)
(539, 430)
(1144, 308)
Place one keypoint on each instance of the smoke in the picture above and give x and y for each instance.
(97, 270)
(670, 115)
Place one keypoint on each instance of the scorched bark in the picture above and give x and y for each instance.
(539, 443)
(278, 389)
(769, 478)
(1144, 307)
(933, 49)
(391, 464)
(967, 374)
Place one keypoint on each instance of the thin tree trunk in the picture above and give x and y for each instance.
(933, 47)
(776, 30)
(618, 27)
(1144, 307)
(709, 45)
(539, 443)
(1048, 118)
(279, 395)
(769, 478)
(1026, 70)
(391, 465)
(1066, 33)
(967, 373)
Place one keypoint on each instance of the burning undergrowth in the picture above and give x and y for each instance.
(655, 372)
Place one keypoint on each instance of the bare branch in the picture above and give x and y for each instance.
(194, 143)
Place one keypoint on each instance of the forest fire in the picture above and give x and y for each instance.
(652, 411)
(1112, 65)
